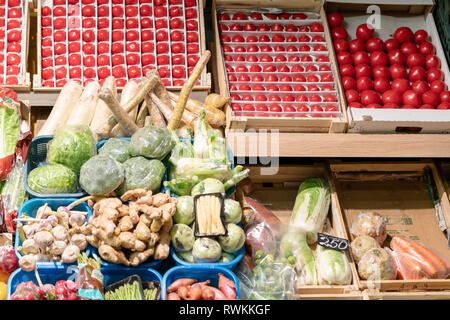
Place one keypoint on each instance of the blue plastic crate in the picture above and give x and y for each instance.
(230, 157)
(37, 156)
(228, 265)
(201, 273)
(31, 207)
(52, 274)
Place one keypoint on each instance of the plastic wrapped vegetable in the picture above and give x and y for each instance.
(201, 138)
(101, 175)
(53, 178)
(370, 224)
(333, 267)
(72, 146)
(377, 264)
(294, 243)
(311, 205)
(119, 149)
(206, 250)
(151, 142)
(9, 130)
(416, 261)
(361, 245)
(141, 173)
(209, 185)
(182, 186)
(203, 168)
(182, 149)
(233, 240)
(182, 237)
(232, 211)
(185, 210)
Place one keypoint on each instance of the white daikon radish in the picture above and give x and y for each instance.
(128, 92)
(102, 112)
(84, 110)
(67, 99)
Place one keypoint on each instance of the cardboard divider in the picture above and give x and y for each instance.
(398, 192)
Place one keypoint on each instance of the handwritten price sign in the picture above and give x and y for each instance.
(331, 242)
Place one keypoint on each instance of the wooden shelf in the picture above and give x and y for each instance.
(340, 145)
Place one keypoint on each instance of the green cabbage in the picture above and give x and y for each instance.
(142, 173)
(53, 178)
(151, 142)
(72, 146)
(101, 175)
(119, 149)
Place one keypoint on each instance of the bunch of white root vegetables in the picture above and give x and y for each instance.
(131, 233)
(146, 102)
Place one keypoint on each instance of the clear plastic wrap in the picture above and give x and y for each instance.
(72, 146)
(370, 224)
(333, 267)
(377, 264)
(151, 142)
(362, 244)
(141, 173)
(101, 175)
(119, 149)
(53, 178)
(415, 260)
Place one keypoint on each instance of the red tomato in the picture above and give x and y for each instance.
(60, 48)
(315, 98)
(191, 25)
(417, 73)
(274, 97)
(323, 58)
(339, 33)
(59, 36)
(302, 97)
(75, 59)
(437, 86)
(426, 106)
(434, 74)
(427, 48)
(430, 97)
(392, 96)
(275, 108)
(420, 36)
(60, 73)
(396, 57)
(134, 72)
(75, 73)
(381, 85)
(374, 44)
(363, 70)
(61, 11)
(355, 105)
(285, 87)
(61, 60)
(370, 96)
(364, 31)
(364, 83)
(340, 45)
(412, 98)
(445, 96)
(102, 35)
(378, 58)
(352, 96)
(408, 48)
(381, 72)
(356, 45)
(361, 57)
(335, 19)
(403, 34)
(400, 85)
(444, 106)
(14, 47)
(373, 106)
(397, 71)
(147, 59)
(432, 61)
(59, 23)
(415, 59)
(348, 83)
(347, 70)
(420, 86)
(12, 59)
(132, 23)
(146, 23)
(391, 44)
(316, 27)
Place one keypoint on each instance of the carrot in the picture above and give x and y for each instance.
(431, 263)
(408, 268)
(183, 282)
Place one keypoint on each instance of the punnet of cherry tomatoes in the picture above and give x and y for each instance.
(277, 64)
(12, 17)
(402, 71)
(90, 40)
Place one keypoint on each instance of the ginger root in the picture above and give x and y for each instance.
(109, 254)
(136, 258)
(162, 248)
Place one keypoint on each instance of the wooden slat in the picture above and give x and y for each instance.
(342, 145)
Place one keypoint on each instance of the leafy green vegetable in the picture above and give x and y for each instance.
(72, 146)
(201, 138)
(151, 142)
(14, 188)
(53, 178)
(101, 175)
(142, 173)
(119, 149)
(9, 129)
(209, 185)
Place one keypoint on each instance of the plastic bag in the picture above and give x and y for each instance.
(370, 224)
(8, 259)
(119, 149)
(101, 175)
(141, 173)
(89, 279)
(415, 260)
(28, 291)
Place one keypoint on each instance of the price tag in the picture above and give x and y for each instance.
(331, 242)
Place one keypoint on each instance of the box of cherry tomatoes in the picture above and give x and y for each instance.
(14, 30)
(277, 66)
(392, 66)
(87, 40)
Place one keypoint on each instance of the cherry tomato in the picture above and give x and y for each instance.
(370, 96)
(403, 34)
(335, 19)
(412, 98)
(364, 31)
(434, 74)
(396, 57)
(400, 85)
(420, 86)
(397, 71)
(417, 73)
(408, 48)
(391, 44)
(392, 96)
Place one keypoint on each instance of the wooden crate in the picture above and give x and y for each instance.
(278, 192)
(394, 13)
(418, 295)
(204, 87)
(283, 124)
(398, 192)
(25, 85)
